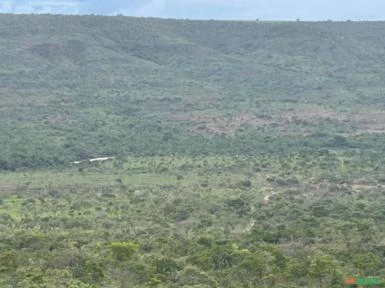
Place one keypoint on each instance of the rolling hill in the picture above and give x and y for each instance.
(76, 87)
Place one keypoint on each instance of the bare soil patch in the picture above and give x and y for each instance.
(312, 114)
(221, 125)
(292, 122)
(370, 122)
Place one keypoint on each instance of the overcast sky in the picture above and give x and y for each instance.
(208, 9)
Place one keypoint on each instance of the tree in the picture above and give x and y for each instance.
(321, 267)
(297, 269)
(123, 250)
(366, 262)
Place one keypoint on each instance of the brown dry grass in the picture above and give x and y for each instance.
(19, 98)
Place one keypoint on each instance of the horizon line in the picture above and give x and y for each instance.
(193, 19)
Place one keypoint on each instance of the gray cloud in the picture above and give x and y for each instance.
(208, 9)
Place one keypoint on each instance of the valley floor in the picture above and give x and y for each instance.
(300, 220)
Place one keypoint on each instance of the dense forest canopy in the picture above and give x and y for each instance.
(238, 153)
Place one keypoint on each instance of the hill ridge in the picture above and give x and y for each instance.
(93, 85)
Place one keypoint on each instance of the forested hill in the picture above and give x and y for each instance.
(76, 87)
(243, 154)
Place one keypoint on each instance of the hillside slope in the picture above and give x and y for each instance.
(73, 87)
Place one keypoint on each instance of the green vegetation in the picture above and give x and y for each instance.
(75, 87)
(300, 220)
(245, 154)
